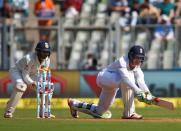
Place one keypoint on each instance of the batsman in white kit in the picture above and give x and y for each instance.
(23, 75)
(122, 73)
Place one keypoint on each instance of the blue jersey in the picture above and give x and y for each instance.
(163, 30)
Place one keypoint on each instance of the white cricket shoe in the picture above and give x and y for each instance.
(51, 115)
(46, 115)
(8, 115)
(133, 116)
(73, 112)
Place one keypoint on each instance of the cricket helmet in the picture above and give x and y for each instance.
(43, 46)
(136, 50)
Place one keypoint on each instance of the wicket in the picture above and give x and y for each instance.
(41, 84)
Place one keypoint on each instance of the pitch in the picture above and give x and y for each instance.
(154, 119)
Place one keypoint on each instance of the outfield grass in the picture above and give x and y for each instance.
(25, 120)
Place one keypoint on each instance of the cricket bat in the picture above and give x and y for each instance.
(163, 103)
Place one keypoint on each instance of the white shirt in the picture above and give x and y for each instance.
(28, 66)
(121, 65)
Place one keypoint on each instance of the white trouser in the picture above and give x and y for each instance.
(128, 100)
(19, 87)
(128, 96)
(14, 99)
(110, 82)
(106, 100)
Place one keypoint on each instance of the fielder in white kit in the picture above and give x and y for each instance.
(120, 74)
(23, 75)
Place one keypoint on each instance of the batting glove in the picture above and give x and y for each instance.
(141, 96)
(149, 98)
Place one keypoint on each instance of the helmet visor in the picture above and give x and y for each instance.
(138, 59)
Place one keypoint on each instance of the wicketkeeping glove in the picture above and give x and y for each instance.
(33, 86)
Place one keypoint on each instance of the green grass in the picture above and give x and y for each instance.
(25, 120)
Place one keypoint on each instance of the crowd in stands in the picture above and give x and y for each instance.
(139, 11)
(14, 9)
(129, 13)
(144, 11)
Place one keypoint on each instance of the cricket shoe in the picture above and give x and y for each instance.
(8, 115)
(46, 115)
(51, 115)
(133, 116)
(73, 112)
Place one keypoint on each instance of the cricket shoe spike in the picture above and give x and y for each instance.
(133, 116)
(73, 112)
(8, 115)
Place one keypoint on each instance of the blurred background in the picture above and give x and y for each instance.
(87, 35)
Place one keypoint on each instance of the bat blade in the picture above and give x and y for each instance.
(163, 103)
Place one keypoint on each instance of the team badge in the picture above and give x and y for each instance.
(46, 45)
(141, 51)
